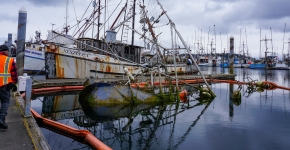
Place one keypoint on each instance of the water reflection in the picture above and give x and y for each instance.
(121, 126)
(192, 125)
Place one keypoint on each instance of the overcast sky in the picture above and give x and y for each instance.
(196, 20)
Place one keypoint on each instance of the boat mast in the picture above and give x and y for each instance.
(214, 39)
(247, 45)
(105, 17)
(244, 53)
(283, 44)
(174, 52)
(208, 39)
(221, 43)
(272, 41)
(202, 49)
(260, 55)
(94, 5)
(133, 22)
(99, 14)
(240, 50)
(66, 16)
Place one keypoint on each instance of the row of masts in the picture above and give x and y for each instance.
(129, 9)
(89, 23)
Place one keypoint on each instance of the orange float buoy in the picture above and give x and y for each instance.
(183, 96)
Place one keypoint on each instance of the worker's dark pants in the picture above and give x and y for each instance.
(5, 100)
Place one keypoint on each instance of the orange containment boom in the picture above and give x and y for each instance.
(57, 89)
(83, 136)
(268, 84)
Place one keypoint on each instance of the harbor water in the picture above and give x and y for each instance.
(259, 122)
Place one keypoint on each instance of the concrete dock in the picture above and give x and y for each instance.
(22, 132)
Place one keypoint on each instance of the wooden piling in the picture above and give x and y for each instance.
(21, 33)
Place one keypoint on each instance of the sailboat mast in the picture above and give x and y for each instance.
(133, 22)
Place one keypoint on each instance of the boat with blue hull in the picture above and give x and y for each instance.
(257, 66)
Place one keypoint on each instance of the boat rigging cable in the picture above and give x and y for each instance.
(188, 51)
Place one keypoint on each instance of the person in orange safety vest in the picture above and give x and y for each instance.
(8, 79)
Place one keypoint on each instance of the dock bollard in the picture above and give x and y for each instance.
(25, 84)
(28, 92)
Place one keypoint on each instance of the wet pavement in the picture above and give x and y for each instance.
(21, 132)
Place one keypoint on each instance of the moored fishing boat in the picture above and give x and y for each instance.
(106, 58)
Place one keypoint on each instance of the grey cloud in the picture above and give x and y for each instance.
(230, 16)
(2, 40)
(271, 9)
(6, 17)
(45, 3)
(263, 13)
(40, 3)
(212, 7)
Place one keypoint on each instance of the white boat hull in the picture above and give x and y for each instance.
(33, 61)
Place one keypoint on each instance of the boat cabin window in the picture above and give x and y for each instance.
(95, 44)
(89, 43)
(28, 45)
(129, 53)
(83, 45)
